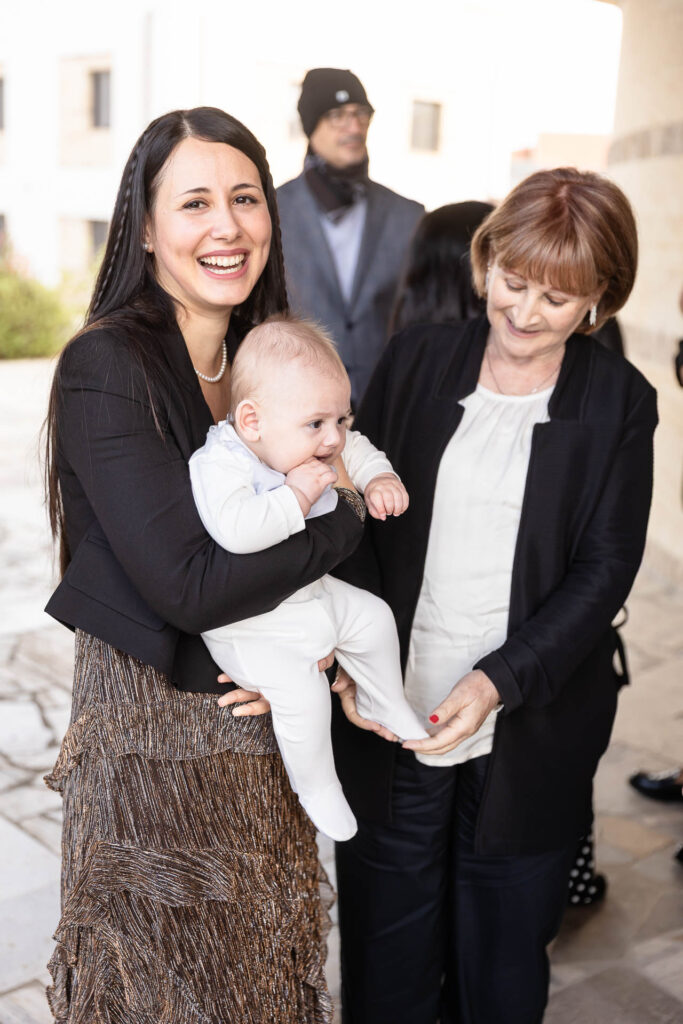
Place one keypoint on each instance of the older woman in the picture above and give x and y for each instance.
(190, 883)
(527, 452)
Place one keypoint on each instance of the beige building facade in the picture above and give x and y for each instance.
(74, 96)
(646, 159)
(79, 82)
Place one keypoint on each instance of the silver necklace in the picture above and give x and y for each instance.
(219, 375)
(533, 390)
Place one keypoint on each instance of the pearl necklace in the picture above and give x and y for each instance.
(533, 390)
(219, 375)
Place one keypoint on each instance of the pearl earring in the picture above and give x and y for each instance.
(146, 246)
(593, 316)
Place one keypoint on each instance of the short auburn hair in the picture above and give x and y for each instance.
(278, 341)
(574, 229)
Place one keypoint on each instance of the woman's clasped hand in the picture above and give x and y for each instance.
(459, 715)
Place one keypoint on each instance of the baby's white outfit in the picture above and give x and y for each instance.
(246, 506)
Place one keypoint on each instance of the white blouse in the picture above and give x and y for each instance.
(462, 610)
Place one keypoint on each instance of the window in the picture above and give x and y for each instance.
(294, 129)
(101, 105)
(2, 104)
(85, 113)
(98, 236)
(426, 129)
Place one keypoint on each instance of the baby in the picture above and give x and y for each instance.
(255, 482)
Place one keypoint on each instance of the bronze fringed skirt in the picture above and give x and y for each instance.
(191, 887)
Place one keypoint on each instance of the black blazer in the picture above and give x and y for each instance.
(580, 542)
(144, 575)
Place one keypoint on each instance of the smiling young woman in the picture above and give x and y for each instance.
(188, 863)
(208, 233)
(208, 237)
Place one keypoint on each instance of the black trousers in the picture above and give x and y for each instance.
(430, 931)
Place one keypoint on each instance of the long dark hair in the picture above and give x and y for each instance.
(126, 295)
(437, 282)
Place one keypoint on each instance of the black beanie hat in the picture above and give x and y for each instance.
(325, 88)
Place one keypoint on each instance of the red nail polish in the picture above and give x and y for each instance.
(433, 718)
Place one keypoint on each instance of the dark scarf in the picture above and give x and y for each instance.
(335, 190)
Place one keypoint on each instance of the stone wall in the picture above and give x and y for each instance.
(646, 160)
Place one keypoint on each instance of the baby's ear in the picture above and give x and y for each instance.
(247, 420)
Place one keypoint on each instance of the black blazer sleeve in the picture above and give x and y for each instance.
(540, 656)
(137, 484)
(362, 568)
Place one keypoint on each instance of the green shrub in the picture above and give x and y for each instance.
(32, 320)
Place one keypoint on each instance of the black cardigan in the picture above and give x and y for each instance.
(145, 576)
(580, 542)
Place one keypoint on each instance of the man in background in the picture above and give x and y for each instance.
(344, 236)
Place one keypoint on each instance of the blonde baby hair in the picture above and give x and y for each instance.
(276, 343)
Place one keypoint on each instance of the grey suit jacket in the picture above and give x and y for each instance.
(359, 327)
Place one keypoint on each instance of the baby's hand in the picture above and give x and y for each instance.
(385, 496)
(309, 480)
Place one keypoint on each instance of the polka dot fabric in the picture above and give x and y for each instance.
(585, 887)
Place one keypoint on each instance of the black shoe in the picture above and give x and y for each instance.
(659, 785)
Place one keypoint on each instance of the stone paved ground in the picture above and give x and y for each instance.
(619, 962)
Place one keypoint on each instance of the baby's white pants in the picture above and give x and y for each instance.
(277, 653)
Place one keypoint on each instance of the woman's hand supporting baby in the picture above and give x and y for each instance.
(251, 702)
(345, 688)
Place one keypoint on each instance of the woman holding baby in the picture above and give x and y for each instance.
(191, 886)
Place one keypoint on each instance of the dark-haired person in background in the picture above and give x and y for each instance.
(526, 448)
(344, 236)
(190, 886)
(436, 286)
